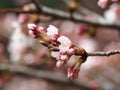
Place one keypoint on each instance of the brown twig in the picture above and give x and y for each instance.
(79, 50)
(47, 75)
(15, 10)
(108, 53)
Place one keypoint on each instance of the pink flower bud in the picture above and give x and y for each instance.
(65, 43)
(35, 31)
(72, 73)
(73, 70)
(31, 26)
(40, 29)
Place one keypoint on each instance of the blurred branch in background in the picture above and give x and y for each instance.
(84, 27)
(60, 14)
(16, 10)
(47, 75)
(97, 22)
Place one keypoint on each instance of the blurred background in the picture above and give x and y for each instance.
(23, 54)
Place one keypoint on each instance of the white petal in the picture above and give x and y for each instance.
(60, 63)
(65, 43)
(52, 30)
(55, 54)
(31, 26)
(64, 40)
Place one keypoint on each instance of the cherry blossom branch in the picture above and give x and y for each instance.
(50, 76)
(108, 53)
(62, 48)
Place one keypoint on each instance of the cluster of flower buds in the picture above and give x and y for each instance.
(65, 49)
(49, 37)
(105, 3)
(34, 31)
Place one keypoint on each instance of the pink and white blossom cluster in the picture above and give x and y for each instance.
(52, 38)
(65, 51)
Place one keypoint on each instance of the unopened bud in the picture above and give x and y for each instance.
(73, 71)
(31, 26)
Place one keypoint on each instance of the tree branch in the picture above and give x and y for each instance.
(109, 53)
(98, 22)
(60, 14)
(77, 18)
(50, 76)
(16, 10)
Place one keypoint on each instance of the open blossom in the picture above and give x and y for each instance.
(52, 31)
(65, 43)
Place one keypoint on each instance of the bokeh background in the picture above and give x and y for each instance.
(18, 48)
